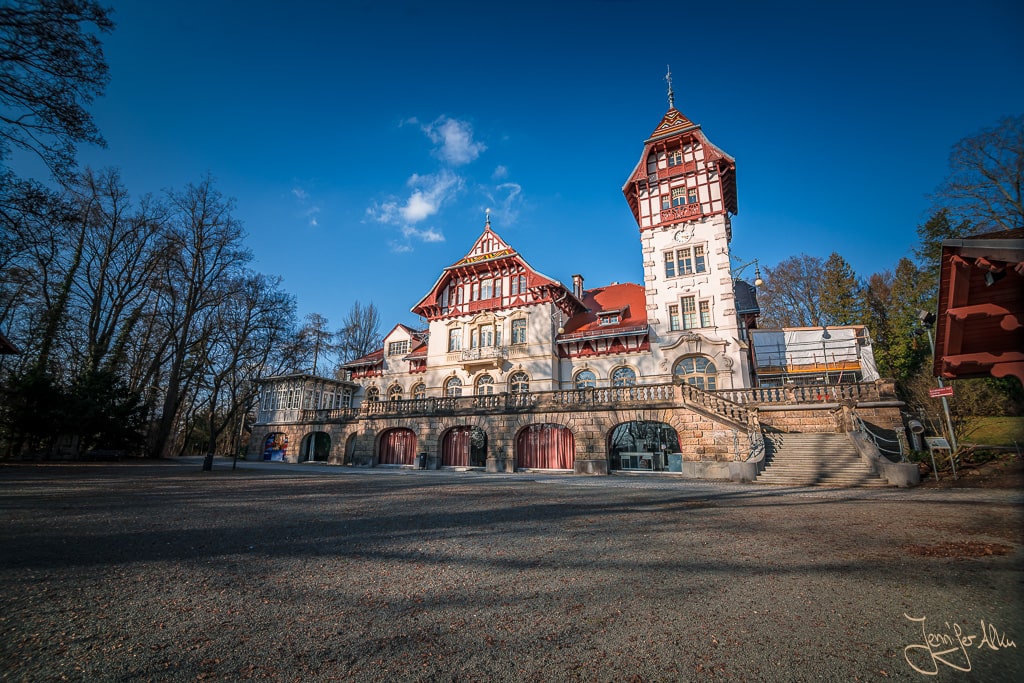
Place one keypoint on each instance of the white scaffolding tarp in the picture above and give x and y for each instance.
(794, 349)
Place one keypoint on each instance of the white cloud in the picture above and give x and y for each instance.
(310, 211)
(399, 248)
(454, 139)
(500, 173)
(427, 235)
(505, 202)
(429, 193)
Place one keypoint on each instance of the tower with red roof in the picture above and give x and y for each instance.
(682, 193)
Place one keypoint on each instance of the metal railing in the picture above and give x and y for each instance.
(891, 449)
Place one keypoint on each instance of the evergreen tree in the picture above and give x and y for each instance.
(842, 301)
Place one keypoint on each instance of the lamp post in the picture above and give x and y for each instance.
(927, 320)
(738, 270)
(825, 336)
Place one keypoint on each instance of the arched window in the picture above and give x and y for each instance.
(585, 379)
(519, 383)
(485, 385)
(372, 394)
(623, 377)
(698, 371)
(419, 391)
(453, 387)
(395, 393)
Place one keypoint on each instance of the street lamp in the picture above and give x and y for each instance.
(738, 270)
(825, 336)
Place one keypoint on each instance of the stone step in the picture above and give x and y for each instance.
(815, 460)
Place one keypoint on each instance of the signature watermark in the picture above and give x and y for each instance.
(952, 645)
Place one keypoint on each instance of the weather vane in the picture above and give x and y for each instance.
(487, 215)
(671, 95)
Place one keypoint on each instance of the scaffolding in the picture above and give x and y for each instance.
(812, 355)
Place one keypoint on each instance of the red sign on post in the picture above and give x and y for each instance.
(940, 392)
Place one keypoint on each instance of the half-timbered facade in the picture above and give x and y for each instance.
(516, 370)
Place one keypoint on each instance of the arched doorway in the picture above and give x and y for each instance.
(397, 447)
(464, 447)
(316, 447)
(275, 447)
(546, 446)
(641, 445)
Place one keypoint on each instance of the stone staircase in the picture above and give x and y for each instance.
(796, 459)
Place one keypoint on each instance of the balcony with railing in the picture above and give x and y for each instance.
(491, 356)
(731, 405)
(679, 213)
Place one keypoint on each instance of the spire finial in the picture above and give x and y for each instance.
(487, 215)
(671, 95)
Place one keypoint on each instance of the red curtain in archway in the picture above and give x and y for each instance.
(455, 447)
(546, 446)
(398, 447)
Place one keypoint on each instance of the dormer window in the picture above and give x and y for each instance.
(611, 317)
(398, 348)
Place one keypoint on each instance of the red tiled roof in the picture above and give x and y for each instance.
(369, 359)
(628, 299)
(418, 351)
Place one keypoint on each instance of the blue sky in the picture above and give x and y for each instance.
(363, 140)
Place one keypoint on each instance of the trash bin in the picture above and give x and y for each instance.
(675, 462)
(422, 461)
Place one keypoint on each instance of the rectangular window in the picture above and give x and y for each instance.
(474, 338)
(475, 292)
(689, 312)
(673, 317)
(675, 158)
(670, 264)
(514, 289)
(486, 287)
(684, 261)
(698, 259)
(610, 319)
(497, 288)
(398, 348)
(678, 196)
(455, 340)
(487, 335)
(691, 195)
(519, 331)
(705, 313)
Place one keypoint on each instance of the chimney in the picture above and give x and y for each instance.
(577, 286)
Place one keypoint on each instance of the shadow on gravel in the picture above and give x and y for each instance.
(89, 518)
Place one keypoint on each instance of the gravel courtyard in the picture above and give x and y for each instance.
(157, 571)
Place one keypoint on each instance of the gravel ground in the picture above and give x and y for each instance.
(157, 571)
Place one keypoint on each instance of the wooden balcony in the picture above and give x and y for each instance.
(680, 213)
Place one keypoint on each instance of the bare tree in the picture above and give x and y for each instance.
(986, 178)
(360, 332)
(202, 252)
(252, 323)
(316, 337)
(51, 67)
(791, 294)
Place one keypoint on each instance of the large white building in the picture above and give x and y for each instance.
(518, 370)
